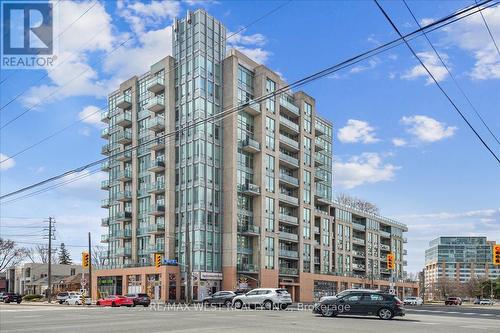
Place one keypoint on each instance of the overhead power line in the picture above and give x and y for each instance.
(452, 76)
(327, 71)
(436, 81)
(54, 134)
(489, 30)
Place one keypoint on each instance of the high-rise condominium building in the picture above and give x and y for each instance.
(458, 259)
(253, 184)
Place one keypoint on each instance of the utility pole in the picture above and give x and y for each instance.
(90, 268)
(49, 277)
(188, 266)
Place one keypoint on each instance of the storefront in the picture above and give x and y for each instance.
(207, 284)
(324, 288)
(109, 285)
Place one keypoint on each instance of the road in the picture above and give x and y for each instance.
(28, 318)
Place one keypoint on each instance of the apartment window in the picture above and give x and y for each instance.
(307, 258)
(269, 213)
(269, 163)
(307, 223)
(270, 102)
(340, 236)
(348, 238)
(270, 128)
(325, 233)
(307, 117)
(340, 263)
(269, 183)
(269, 260)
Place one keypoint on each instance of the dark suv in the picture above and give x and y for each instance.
(140, 299)
(453, 301)
(12, 297)
(385, 306)
(220, 298)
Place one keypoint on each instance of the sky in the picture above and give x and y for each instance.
(398, 142)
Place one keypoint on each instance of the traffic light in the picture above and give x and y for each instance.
(85, 260)
(496, 254)
(158, 260)
(390, 261)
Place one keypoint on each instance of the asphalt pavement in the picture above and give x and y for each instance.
(156, 319)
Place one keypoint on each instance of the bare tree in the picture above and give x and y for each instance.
(357, 203)
(40, 254)
(99, 255)
(10, 254)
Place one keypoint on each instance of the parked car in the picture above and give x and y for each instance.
(1, 297)
(115, 301)
(62, 296)
(73, 299)
(453, 301)
(12, 297)
(413, 300)
(139, 299)
(220, 298)
(385, 306)
(348, 291)
(266, 297)
(486, 301)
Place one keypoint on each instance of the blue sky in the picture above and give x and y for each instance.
(398, 142)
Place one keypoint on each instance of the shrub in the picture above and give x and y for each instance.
(32, 298)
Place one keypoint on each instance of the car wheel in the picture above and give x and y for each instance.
(385, 313)
(130, 305)
(97, 303)
(7, 302)
(113, 305)
(327, 311)
(134, 305)
(238, 304)
(227, 303)
(268, 305)
(283, 306)
(18, 302)
(205, 303)
(145, 305)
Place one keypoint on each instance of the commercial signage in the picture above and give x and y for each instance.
(210, 276)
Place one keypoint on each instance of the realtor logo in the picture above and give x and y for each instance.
(27, 34)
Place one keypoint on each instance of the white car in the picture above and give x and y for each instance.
(74, 299)
(347, 291)
(413, 300)
(266, 297)
(486, 302)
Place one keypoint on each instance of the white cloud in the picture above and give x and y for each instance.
(357, 131)
(372, 63)
(367, 168)
(6, 164)
(140, 15)
(250, 45)
(470, 35)
(485, 214)
(83, 185)
(427, 129)
(433, 64)
(426, 21)
(91, 115)
(399, 142)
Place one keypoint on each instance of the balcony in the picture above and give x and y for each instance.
(289, 161)
(358, 226)
(123, 252)
(250, 189)
(319, 130)
(105, 133)
(105, 166)
(105, 238)
(358, 267)
(124, 155)
(156, 84)
(316, 230)
(289, 180)
(124, 196)
(157, 248)
(358, 254)
(106, 149)
(123, 216)
(124, 101)
(385, 271)
(124, 234)
(157, 187)
(252, 108)
(317, 161)
(105, 117)
(124, 175)
(288, 236)
(318, 177)
(156, 104)
(318, 146)
(247, 268)
(245, 250)
(289, 200)
(384, 247)
(250, 146)
(105, 222)
(124, 137)
(405, 263)
(105, 185)
(105, 203)
(156, 228)
(158, 143)
(286, 103)
(289, 271)
(405, 252)
(320, 200)
(385, 234)
(288, 219)
(249, 230)
(405, 240)
(157, 165)
(358, 241)
(289, 125)
(288, 254)
(124, 119)
(157, 124)
(289, 143)
(157, 209)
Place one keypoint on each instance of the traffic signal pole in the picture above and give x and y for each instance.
(90, 268)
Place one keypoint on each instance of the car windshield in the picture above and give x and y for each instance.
(142, 295)
(411, 297)
(282, 291)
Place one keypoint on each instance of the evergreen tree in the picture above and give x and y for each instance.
(64, 257)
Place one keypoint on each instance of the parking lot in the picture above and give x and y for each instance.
(51, 318)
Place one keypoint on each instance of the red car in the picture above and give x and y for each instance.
(115, 300)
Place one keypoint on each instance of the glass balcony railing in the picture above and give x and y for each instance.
(288, 271)
(247, 268)
(287, 102)
(123, 137)
(123, 216)
(289, 179)
(156, 84)
(124, 119)
(105, 117)
(290, 124)
(124, 101)
(104, 238)
(288, 253)
(157, 123)
(288, 199)
(156, 104)
(250, 145)
(124, 196)
(292, 161)
(249, 229)
(250, 189)
(245, 250)
(156, 187)
(289, 141)
(105, 222)
(359, 241)
(288, 236)
(289, 219)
